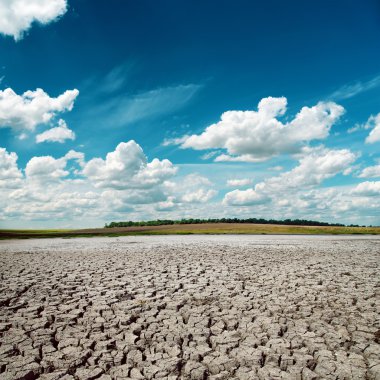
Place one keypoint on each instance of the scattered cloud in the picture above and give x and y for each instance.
(17, 16)
(199, 196)
(24, 112)
(239, 182)
(136, 196)
(247, 197)
(47, 169)
(67, 187)
(205, 156)
(57, 134)
(127, 167)
(277, 168)
(192, 188)
(352, 89)
(370, 172)
(255, 136)
(367, 188)
(373, 123)
(355, 128)
(10, 175)
(168, 205)
(315, 165)
(124, 109)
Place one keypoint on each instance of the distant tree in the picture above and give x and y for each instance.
(159, 222)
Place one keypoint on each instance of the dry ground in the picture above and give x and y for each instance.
(190, 307)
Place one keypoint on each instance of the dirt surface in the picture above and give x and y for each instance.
(190, 307)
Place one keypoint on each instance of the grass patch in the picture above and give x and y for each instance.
(192, 229)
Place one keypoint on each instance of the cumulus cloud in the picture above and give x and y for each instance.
(17, 16)
(370, 172)
(24, 112)
(67, 187)
(315, 165)
(247, 197)
(239, 182)
(127, 167)
(199, 196)
(168, 205)
(368, 188)
(373, 123)
(10, 175)
(258, 135)
(47, 169)
(135, 196)
(192, 188)
(57, 134)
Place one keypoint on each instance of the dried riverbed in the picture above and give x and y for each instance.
(190, 307)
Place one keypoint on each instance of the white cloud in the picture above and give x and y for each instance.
(199, 196)
(194, 181)
(350, 90)
(370, 172)
(205, 156)
(17, 16)
(56, 189)
(192, 188)
(315, 166)
(167, 205)
(47, 169)
(374, 123)
(10, 175)
(135, 196)
(24, 112)
(57, 134)
(355, 128)
(247, 197)
(127, 167)
(258, 135)
(367, 188)
(277, 168)
(239, 182)
(124, 109)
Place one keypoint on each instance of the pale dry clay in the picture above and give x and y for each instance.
(194, 307)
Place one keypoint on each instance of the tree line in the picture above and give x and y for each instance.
(162, 222)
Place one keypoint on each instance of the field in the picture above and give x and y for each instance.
(187, 229)
(237, 307)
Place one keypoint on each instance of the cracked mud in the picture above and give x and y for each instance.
(193, 307)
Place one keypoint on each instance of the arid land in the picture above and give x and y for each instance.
(190, 307)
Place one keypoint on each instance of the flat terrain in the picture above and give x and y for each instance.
(190, 307)
(190, 229)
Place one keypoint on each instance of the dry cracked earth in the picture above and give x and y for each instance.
(194, 307)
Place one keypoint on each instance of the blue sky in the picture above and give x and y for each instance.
(162, 74)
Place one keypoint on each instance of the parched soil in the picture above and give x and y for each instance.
(190, 307)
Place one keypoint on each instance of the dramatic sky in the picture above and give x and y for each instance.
(138, 109)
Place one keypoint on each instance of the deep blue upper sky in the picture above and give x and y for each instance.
(151, 71)
(237, 51)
